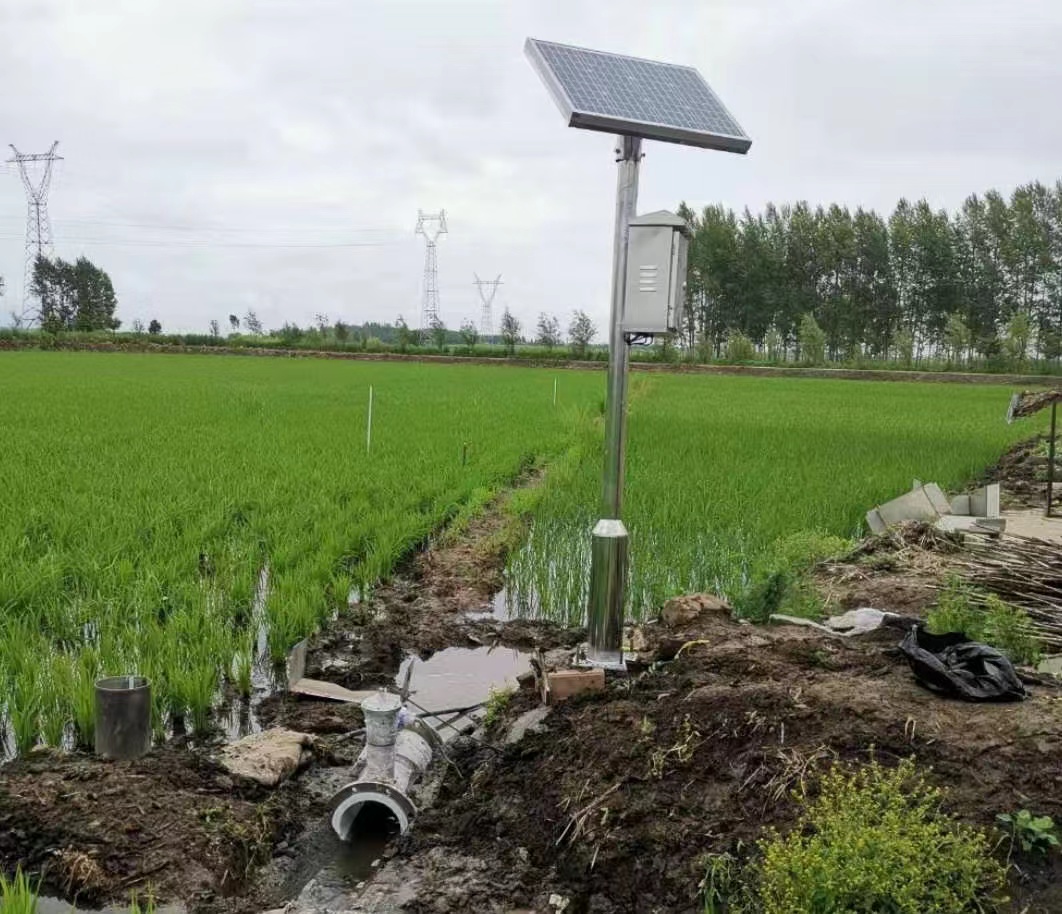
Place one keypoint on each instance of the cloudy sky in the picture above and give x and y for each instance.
(222, 155)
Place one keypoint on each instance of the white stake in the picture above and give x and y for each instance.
(368, 425)
(554, 391)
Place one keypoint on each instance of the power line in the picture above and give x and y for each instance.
(225, 229)
(210, 243)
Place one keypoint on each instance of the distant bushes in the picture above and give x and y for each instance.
(738, 350)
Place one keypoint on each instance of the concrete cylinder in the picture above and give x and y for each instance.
(123, 717)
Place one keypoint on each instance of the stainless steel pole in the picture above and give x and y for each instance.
(608, 567)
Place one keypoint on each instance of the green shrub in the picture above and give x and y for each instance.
(986, 618)
(739, 348)
(764, 598)
(802, 550)
(875, 840)
(781, 583)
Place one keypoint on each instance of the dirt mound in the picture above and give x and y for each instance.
(1022, 474)
(173, 821)
(615, 804)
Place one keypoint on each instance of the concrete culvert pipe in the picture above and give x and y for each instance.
(391, 761)
(123, 717)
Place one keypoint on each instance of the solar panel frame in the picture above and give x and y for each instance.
(583, 117)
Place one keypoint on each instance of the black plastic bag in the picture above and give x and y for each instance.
(952, 664)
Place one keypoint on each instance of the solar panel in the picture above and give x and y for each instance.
(634, 97)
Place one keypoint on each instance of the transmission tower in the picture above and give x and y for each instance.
(431, 226)
(488, 288)
(36, 172)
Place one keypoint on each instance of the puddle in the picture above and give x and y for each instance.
(502, 608)
(357, 860)
(460, 677)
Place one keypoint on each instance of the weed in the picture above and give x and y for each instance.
(876, 839)
(985, 617)
(763, 600)
(497, 701)
(720, 883)
(1033, 833)
(680, 753)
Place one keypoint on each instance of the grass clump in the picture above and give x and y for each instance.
(875, 839)
(986, 618)
(17, 895)
(497, 701)
(782, 578)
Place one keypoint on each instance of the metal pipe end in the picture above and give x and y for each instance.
(349, 802)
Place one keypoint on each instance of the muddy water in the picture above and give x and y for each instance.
(460, 677)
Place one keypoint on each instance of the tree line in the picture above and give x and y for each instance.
(830, 283)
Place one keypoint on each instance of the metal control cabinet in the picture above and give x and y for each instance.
(656, 274)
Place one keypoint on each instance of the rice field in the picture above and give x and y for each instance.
(720, 469)
(158, 514)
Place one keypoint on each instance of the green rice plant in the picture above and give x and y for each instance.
(202, 687)
(145, 907)
(17, 894)
(171, 483)
(243, 666)
(23, 711)
(876, 839)
(724, 475)
(83, 699)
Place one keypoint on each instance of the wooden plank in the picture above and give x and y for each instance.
(318, 689)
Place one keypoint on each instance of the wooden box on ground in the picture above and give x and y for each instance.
(563, 684)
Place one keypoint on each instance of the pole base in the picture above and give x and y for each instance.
(608, 583)
(610, 661)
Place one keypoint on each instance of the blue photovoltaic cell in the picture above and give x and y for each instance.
(608, 91)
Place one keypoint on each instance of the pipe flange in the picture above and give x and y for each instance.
(348, 803)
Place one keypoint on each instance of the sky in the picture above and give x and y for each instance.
(226, 155)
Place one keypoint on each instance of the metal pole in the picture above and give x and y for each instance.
(608, 566)
(1051, 457)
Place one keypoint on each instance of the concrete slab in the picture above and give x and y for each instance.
(960, 504)
(984, 502)
(963, 523)
(915, 505)
(937, 498)
(1032, 523)
(1051, 665)
(875, 521)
